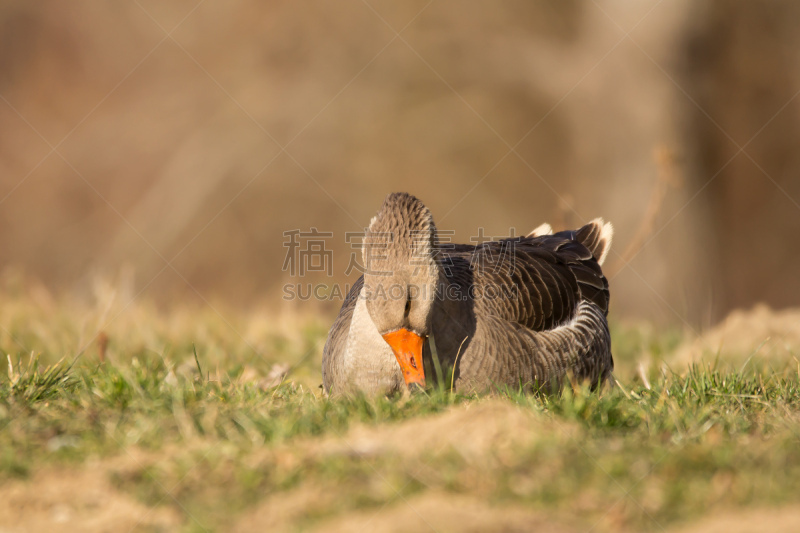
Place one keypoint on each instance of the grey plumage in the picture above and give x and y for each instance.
(515, 312)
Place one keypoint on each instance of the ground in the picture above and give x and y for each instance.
(118, 416)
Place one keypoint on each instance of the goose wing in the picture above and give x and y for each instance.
(536, 282)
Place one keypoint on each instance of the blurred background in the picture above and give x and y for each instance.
(172, 144)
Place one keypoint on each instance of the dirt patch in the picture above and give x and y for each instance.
(470, 429)
(283, 511)
(84, 499)
(76, 500)
(430, 511)
(781, 520)
(481, 432)
(759, 333)
(448, 513)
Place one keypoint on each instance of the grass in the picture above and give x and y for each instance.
(207, 437)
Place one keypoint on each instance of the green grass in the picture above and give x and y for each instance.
(210, 440)
(704, 439)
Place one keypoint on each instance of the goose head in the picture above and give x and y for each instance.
(401, 278)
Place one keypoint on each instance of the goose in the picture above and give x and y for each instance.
(519, 312)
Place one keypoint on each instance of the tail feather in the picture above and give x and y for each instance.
(596, 237)
(544, 229)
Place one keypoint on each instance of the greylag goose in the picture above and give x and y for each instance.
(518, 312)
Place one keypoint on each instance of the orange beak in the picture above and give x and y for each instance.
(407, 348)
